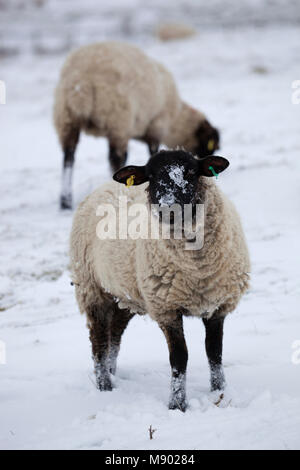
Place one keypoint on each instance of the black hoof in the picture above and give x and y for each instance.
(176, 404)
(66, 203)
(217, 382)
(104, 384)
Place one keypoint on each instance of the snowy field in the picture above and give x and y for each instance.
(243, 80)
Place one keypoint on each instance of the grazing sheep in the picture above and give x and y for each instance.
(116, 278)
(114, 90)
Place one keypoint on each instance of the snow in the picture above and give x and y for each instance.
(242, 78)
(166, 199)
(176, 174)
(165, 194)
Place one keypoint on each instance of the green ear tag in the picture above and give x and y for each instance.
(213, 171)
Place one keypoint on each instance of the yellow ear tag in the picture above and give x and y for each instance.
(211, 145)
(130, 181)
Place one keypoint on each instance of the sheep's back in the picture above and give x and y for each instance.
(113, 80)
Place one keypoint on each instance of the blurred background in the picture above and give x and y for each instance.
(54, 26)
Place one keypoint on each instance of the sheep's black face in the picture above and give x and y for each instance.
(173, 176)
(208, 139)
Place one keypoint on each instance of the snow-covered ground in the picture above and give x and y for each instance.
(242, 79)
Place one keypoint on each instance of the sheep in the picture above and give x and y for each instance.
(114, 90)
(174, 31)
(117, 278)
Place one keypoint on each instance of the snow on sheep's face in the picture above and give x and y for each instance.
(173, 176)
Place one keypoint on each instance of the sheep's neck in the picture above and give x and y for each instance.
(182, 127)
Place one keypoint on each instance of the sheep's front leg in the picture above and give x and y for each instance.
(119, 323)
(174, 334)
(214, 347)
(99, 322)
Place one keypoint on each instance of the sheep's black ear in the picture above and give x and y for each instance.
(131, 175)
(212, 165)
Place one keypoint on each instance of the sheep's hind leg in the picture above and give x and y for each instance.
(119, 323)
(214, 347)
(174, 334)
(153, 145)
(99, 323)
(117, 158)
(69, 147)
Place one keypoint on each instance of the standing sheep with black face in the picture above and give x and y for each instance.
(114, 90)
(116, 278)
